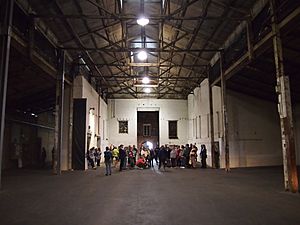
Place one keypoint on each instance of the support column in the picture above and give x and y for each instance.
(99, 115)
(5, 38)
(285, 110)
(70, 129)
(224, 115)
(59, 112)
(211, 112)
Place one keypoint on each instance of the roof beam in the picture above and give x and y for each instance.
(133, 17)
(145, 65)
(105, 49)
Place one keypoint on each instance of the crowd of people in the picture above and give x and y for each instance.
(130, 157)
(93, 157)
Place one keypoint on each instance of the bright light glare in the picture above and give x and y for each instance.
(149, 144)
(142, 21)
(142, 55)
(147, 90)
(145, 80)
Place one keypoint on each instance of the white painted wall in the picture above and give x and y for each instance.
(199, 117)
(96, 118)
(254, 128)
(103, 129)
(254, 131)
(126, 109)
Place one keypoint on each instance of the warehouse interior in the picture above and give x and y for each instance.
(77, 74)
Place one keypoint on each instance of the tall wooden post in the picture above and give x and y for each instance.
(5, 38)
(70, 128)
(211, 112)
(59, 112)
(224, 114)
(285, 110)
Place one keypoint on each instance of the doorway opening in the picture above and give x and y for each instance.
(148, 129)
(148, 145)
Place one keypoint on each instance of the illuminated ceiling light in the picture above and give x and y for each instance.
(142, 55)
(146, 80)
(147, 90)
(142, 21)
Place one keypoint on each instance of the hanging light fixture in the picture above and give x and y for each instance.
(142, 55)
(146, 80)
(142, 21)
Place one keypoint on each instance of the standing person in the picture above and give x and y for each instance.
(115, 153)
(107, 160)
(186, 154)
(203, 155)
(156, 154)
(179, 156)
(43, 157)
(122, 156)
(130, 159)
(151, 157)
(173, 155)
(162, 156)
(217, 157)
(126, 149)
(193, 156)
(98, 154)
(135, 152)
(168, 149)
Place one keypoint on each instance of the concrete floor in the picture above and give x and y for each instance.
(140, 197)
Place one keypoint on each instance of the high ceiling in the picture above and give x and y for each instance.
(180, 40)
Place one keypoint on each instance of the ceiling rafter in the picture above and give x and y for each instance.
(134, 17)
(129, 90)
(217, 27)
(77, 39)
(180, 40)
(91, 32)
(196, 30)
(183, 12)
(93, 39)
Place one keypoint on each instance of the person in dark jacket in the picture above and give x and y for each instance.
(156, 150)
(162, 156)
(122, 155)
(107, 160)
(186, 154)
(203, 155)
(151, 157)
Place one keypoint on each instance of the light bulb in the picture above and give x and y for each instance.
(146, 80)
(142, 21)
(142, 55)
